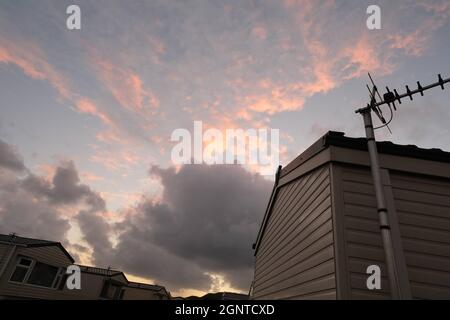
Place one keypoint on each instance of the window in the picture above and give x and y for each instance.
(43, 275)
(21, 271)
(111, 291)
(59, 279)
(62, 283)
(36, 273)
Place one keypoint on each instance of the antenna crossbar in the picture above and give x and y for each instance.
(395, 97)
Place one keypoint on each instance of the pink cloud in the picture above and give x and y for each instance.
(90, 176)
(122, 159)
(87, 106)
(32, 61)
(259, 32)
(126, 87)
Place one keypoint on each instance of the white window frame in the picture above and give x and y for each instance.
(58, 278)
(27, 274)
(55, 283)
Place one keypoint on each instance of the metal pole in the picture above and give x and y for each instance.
(391, 262)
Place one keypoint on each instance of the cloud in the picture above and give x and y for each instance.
(259, 32)
(65, 188)
(33, 206)
(25, 215)
(205, 223)
(125, 86)
(87, 106)
(9, 158)
(32, 61)
(96, 233)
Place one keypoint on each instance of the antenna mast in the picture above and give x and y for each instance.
(390, 97)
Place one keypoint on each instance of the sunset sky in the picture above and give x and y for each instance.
(86, 117)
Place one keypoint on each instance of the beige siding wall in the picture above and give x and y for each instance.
(295, 259)
(422, 205)
(423, 208)
(51, 255)
(362, 233)
(91, 287)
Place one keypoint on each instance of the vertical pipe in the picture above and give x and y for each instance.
(385, 228)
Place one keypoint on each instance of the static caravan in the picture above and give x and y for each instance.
(320, 232)
(33, 269)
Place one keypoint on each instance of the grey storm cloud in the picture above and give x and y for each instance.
(206, 223)
(95, 231)
(9, 158)
(30, 204)
(65, 187)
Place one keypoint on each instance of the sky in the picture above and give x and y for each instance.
(86, 118)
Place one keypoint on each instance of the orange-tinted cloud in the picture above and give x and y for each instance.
(126, 87)
(87, 106)
(33, 62)
(115, 160)
(259, 32)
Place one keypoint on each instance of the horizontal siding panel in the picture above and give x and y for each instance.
(369, 295)
(359, 265)
(282, 199)
(359, 282)
(423, 206)
(362, 212)
(316, 285)
(316, 254)
(429, 210)
(362, 251)
(418, 219)
(357, 187)
(306, 198)
(362, 224)
(425, 233)
(321, 295)
(434, 248)
(414, 185)
(356, 175)
(296, 254)
(50, 254)
(429, 292)
(364, 246)
(429, 261)
(291, 191)
(305, 232)
(318, 239)
(305, 275)
(428, 276)
(26, 291)
(360, 199)
(421, 197)
(298, 232)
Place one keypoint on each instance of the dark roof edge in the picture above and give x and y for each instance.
(36, 244)
(338, 139)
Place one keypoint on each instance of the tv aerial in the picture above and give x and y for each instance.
(390, 98)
